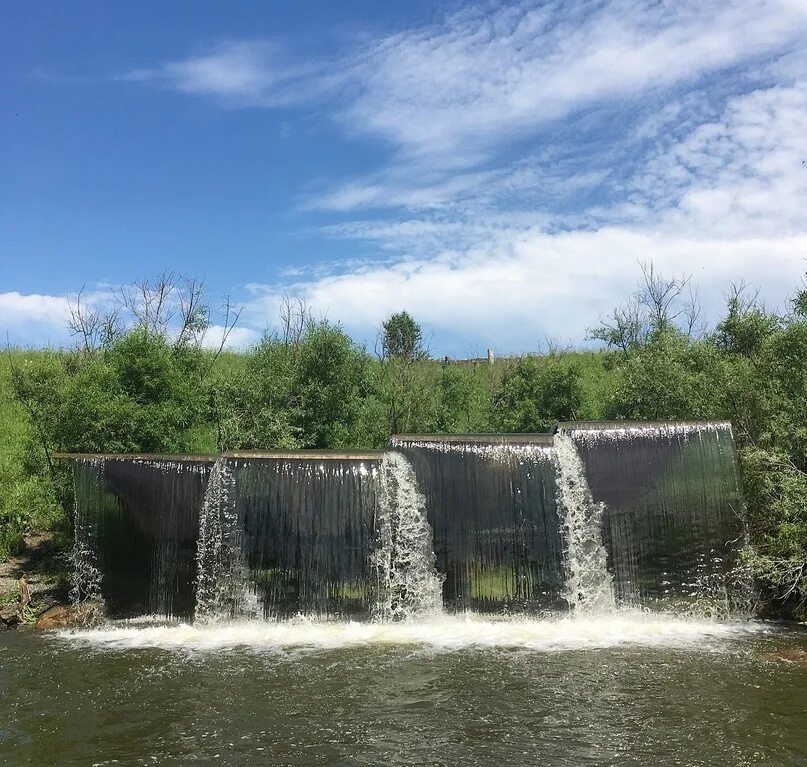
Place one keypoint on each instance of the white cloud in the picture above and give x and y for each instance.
(724, 202)
(449, 97)
(458, 87)
(480, 78)
(452, 97)
(241, 74)
(513, 293)
(237, 338)
(18, 309)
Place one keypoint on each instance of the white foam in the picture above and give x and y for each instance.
(443, 634)
(409, 584)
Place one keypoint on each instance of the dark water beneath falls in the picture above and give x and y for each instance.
(698, 700)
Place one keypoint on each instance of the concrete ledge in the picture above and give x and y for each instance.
(307, 455)
(300, 455)
(537, 438)
(136, 457)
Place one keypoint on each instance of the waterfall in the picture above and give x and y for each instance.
(484, 523)
(86, 580)
(222, 586)
(408, 583)
(589, 586)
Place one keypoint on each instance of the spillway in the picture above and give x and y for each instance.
(592, 518)
(672, 518)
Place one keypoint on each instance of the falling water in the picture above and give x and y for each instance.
(505, 524)
(408, 583)
(86, 581)
(222, 588)
(490, 500)
(589, 586)
(673, 512)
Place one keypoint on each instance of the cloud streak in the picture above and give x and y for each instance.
(239, 74)
(537, 152)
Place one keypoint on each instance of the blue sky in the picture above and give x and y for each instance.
(499, 170)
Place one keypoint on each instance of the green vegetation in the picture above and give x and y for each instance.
(143, 379)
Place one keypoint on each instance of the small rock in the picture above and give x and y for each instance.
(10, 614)
(64, 616)
(56, 617)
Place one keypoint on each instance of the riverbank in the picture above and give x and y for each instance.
(45, 565)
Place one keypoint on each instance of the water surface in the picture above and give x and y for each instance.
(626, 690)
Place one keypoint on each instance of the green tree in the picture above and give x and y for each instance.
(536, 393)
(402, 338)
(315, 389)
(408, 402)
(455, 400)
(670, 377)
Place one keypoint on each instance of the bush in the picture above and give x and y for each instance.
(536, 393)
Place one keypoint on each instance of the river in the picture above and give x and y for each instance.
(629, 689)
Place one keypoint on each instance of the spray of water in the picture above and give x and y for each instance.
(589, 586)
(222, 586)
(409, 586)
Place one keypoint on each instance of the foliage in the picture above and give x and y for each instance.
(536, 393)
(402, 338)
(776, 493)
(317, 391)
(670, 376)
(141, 379)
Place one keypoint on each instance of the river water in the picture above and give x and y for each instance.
(625, 689)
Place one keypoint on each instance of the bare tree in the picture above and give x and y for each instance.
(172, 306)
(91, 326)
(741, 298)
(660, 295)
(295, 318)
(624, 328)
(150, 302)
(658, 302)
(691, 310)
(229, 318)
(193, 311)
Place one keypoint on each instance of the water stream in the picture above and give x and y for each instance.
(409, 586)
(589, 586)
(222, 585)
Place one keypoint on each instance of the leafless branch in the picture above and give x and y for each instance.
(659, 294)
(691, 310)
(295, 317)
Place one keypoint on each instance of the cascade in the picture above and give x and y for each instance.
(307, 523)
(86, 580)
(136, 525)
(589, 586)
(222, 585)
(409, 585)
(635, 514)
(672, 518)
(490, 500)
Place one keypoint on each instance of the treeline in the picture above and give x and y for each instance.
(142, 378)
